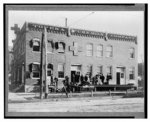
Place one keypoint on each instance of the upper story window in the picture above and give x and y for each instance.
(89, 49)
(99, 50)
(109, 51)
(60, 71)
(132, 52)
(36, 45)
(131, 73)
(60, 46)
(50, 46)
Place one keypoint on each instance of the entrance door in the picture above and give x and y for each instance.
(74, 70)
(118, 78)
(73, 76)
(120, 75)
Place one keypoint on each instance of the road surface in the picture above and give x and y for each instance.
(91, 104)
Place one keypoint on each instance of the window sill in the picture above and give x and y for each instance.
(61, 78)
(36, 51)
(131, 58)
(34, 78)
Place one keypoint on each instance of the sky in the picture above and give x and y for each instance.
(119, 22)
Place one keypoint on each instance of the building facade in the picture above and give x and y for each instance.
(71, 50)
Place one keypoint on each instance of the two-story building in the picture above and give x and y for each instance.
(71, 50)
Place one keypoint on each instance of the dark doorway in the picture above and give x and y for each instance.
(118, 78)
(73, 76)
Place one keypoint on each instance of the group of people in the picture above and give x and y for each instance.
(98, 79)
(78, 80)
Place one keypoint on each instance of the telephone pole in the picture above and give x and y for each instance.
(41, 69)
(45, 42)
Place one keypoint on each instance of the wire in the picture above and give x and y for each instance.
(82, 18)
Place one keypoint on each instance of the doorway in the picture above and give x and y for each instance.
(120, 75)
(75, 69)
(118, 78)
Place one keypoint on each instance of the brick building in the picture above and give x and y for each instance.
(72, 50)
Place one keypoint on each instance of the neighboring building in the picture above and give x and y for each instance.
(10, 63)
(73, 50)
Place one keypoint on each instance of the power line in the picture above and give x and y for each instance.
(81, 18)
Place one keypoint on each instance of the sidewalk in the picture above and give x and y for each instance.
(35, 97)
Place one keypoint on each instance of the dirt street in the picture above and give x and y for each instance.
(92, 104)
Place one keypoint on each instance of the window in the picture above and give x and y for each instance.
(109, 70)
(49, 69)
(100, 70)
(36, 45)
(35, 70)
(89, 70)
(132, 52)
(99, 50)
(61, 47)
(50, 46)
(131, 73)
(109, 51)
(60, 71)
(89, 49)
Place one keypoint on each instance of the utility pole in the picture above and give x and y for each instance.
(46, 84)
(41, 69)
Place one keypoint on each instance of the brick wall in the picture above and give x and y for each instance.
(120, 55)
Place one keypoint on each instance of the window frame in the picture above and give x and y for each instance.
(91, 69)
(132, 69)
(61, 71)
(49, 42)
(110, 52)
(99, 52)
(59, 50)
(130, 53)
(37, 40)
(89, 50)
(111, 71)
(99, 68)
(35, 63)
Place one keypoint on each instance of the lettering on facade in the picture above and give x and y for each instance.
(78, 32)
(86, 33)
(49, 28)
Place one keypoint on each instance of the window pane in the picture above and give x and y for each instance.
(99, 51)
(36, 43)
(99, 69)
(60, 67)
(60, 74)
(89, 70)
(61, 48)
(109, 70)
(49, 73)
(131, 73)
(60, 71)
(35, 67)
(36, 74)
(89, 49)
(131, 52)
(49, 46)
(36, 48)
(109, 51)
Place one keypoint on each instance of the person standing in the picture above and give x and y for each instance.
(102, 78)
(66, 85)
